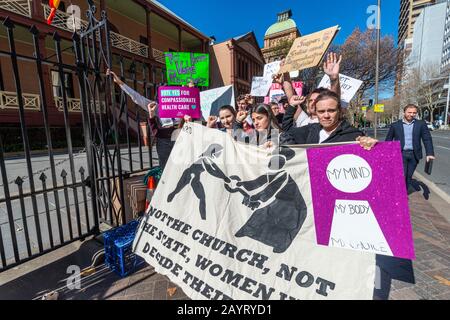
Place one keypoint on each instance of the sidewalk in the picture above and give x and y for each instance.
(426, 278)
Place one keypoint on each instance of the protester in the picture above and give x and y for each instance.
(163, 128)
(410, 131)
(332, 126)
(266, 127)
(245, 103)
(276, 112)
(331, 67)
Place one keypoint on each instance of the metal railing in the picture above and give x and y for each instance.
(124, 43)
(158, 55)
(8, 100)
(74, 105)
(72, 23)
(22, 7)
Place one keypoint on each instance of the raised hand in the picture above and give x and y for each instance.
(187, 118)
(296, 100)
(116, 79)
(211, 122)
(249, 99)
(241, 116)
(332, 65)
(278, 78)
(152, 109)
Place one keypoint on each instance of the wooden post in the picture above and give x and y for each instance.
(179, 38)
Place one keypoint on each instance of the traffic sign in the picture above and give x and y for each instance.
(379, 108)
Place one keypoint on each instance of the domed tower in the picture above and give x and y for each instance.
(279, 37)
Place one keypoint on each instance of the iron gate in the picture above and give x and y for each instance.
(42, 210)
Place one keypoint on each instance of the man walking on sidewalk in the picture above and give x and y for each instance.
(409, 131)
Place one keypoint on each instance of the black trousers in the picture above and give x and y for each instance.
(164, 147)
(409, 165)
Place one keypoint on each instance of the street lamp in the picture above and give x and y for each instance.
(447, 86)
(377, 68)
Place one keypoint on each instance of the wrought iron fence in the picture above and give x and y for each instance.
(46, 209)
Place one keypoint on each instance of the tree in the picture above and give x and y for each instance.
(421, 87)
(359, 62)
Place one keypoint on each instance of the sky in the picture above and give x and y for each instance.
(227, 19)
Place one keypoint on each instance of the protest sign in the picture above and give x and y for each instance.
(232, 221)
(308, 51)
(182, 67)
(352, 210)
(212, 100)
(349, 86)
(260, 86)
(176, 102)
(276, 91)
(298, 87)
(271, 68)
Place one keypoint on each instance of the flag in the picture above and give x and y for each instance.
(54, 4)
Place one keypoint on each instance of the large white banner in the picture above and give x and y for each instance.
(233, 221)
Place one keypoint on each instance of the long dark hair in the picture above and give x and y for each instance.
(266, 110)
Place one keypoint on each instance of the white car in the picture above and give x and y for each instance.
(430, 126)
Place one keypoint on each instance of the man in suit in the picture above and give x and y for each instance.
(410, 131)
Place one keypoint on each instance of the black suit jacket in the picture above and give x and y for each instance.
(420, 132)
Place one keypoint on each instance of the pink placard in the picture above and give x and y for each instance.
(298, 87)
(176, 102)
(368, 189)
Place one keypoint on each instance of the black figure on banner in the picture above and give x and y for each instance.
(192, 176)
(278, 205)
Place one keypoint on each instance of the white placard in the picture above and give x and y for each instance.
(271, 68)
(355, 227)
(260, 86)
(349, 86)
(212, 100)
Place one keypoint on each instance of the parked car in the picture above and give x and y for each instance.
(430, 126)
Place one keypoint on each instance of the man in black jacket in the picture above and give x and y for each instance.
(410, 132)
(332, 126)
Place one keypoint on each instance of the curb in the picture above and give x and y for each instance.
(433, 187)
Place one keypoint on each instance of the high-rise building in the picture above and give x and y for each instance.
(445, 66)
(409, 12)
(428, 39)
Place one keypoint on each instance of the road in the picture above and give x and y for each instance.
(441, 167)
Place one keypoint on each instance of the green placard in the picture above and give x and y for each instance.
(182, 67)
